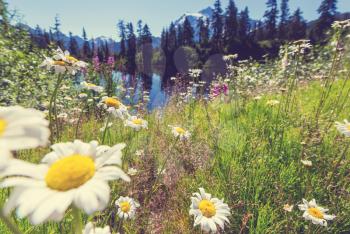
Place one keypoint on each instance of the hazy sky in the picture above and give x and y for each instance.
(99, 17)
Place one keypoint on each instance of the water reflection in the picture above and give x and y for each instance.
(133, 88)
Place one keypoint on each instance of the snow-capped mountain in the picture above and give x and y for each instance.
(205, 14)
(194, 17)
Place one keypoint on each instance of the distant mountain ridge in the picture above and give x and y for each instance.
(193, 18)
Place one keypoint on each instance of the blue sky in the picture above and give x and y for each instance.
(99, 17)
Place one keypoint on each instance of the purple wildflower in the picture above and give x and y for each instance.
(96, 63)
(111, 62)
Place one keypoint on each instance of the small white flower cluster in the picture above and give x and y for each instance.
(230, 57)
(342, 25)
(90, 86)
(63, 62)
(195, 73)
(299, 47)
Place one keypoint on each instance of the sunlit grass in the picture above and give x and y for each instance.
(249, 154)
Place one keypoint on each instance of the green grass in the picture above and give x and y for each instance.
(246, 152)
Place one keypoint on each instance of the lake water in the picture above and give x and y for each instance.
(131, 87)
(158, 93)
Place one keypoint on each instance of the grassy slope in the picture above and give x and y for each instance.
(247, 153)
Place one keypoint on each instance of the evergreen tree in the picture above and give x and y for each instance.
(73, 45)
(259, 31)
(243, 25)
(327, 11)
(93, 48)
(297, 26)
(217, 25)
(147, 50)
(51, 35)
(139, 33)
(180, 36)
(57, 32)
(4, 15)
(171, 48)
(108, 53)
(188, 33)
(46, 39)
(172, 45)
(122, 35)
(271, 19)
(203, 37)
(164, 41)
(38, 37)
(284, 20)
(86, 50)
(231, 27)
(131, 49)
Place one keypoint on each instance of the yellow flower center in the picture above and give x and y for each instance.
(315, 212)
(71, 59)
(112, 102)
(207, 208)
(125, 206)
(59, 63)
(90, 85)
(137, 121)
(3, 125)
(348, 127)
(70, 172)
(179, 130)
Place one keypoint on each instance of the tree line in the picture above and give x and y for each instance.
(230, 31)
(227, 31)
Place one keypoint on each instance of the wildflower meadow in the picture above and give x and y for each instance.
(260, 148)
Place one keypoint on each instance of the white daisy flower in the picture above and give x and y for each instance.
(91, 86)
(91, 229)
(106, 126)
(22, 128)
(82, 95)
(74, 173)
(343, 127)
(62, 116)
(179, 132)
(315, 213)
(307, 163)
(288, 207)
(126, 207)
(5, 156)
(139, 152)
(132, 171)
(209, 212)
(115, 107)
(136, 123)
(272, 102)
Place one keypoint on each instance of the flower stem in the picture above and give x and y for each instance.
(342, 156)
(79, 120)
(77, 222)
(106, 128)
(120, 225)
(154, 186)
(9, 224)
(53, 101)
